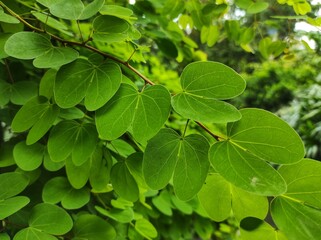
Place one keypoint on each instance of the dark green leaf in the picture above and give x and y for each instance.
(27, 45)
(28, 157)
(77, 175)
(120, 215)
(123, 182)
(185, 158)
(92, 227)
(12, 183)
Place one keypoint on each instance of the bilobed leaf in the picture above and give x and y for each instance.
(27, 45)
(12, 205)
(215, 197)
(92, 227)
(145, 228)
(91, 9)
(301, 179)
(45, 216)
(204, 84)
(245, 170)
(23, 91)
(266, 136)
(55, 57)
(82, 79)
(12, 183)
(218, 197)
(55, 189)
(296, 220)
(70, 9)
(28, 157)
(123, 182)
(149, 108)
(168, 154)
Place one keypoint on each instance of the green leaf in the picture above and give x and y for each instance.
(295, 219)
(77, 175)
(257, 7)
(70, 9)
(71, 138)
(123, 182)
(58, 189)
(163, 203)
(31, 234)
(218, 197)
(91, 9)
(83, 79)
(92, 227)
(12, 183)
(245, 170)
(145, 228)
(149, 108)
(27, 45)
(12, 205)
(101, 164)
(117, 11)
(252, 229)
(7, 18)
(4, 236)
(184, 158)
(204, 84)
(6, 154)
(266, 136)
(47, 83)
(28, 157)
(23, 91)
(301, 179)
(37, 114)
(44, 217)
(4, 93)
(109, 26)
(56, 57)
(121, 215)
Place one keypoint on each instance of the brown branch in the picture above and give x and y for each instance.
(208, 131)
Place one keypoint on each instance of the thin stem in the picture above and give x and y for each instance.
(130, 57)
(208, 131)
(81, 37)
(185, 128)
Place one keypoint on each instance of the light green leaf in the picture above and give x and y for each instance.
(91, 9)
(27, 45)
(92, 227)
(257, 7)
(82, 79)
(28, 157)
(123, 182)
(12, 205)
(218, 198)
(149, 108)
(296, 220)
(12, 183)
(7, 18)
(215, 197)
(77, 175)
(163, 203)
(120, 215)
(145, 228)
(4, 236)
(32, 234)
(56, 57)
(252, 229)
(266, 136)
(245, 170)
(50, 165)
(204, 109)
(44, 217)
(70, 9)
(301, 179)
(203, 84)
(184, 158)
(117, 11)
